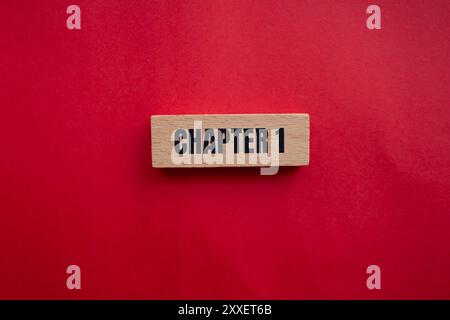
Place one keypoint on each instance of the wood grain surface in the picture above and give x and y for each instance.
(296, 136)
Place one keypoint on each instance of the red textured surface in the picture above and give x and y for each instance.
(77, 185)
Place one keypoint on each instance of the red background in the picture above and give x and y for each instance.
(77, 186)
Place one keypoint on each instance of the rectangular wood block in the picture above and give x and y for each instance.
(230, 140)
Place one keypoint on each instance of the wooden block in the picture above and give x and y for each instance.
(230, 140)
